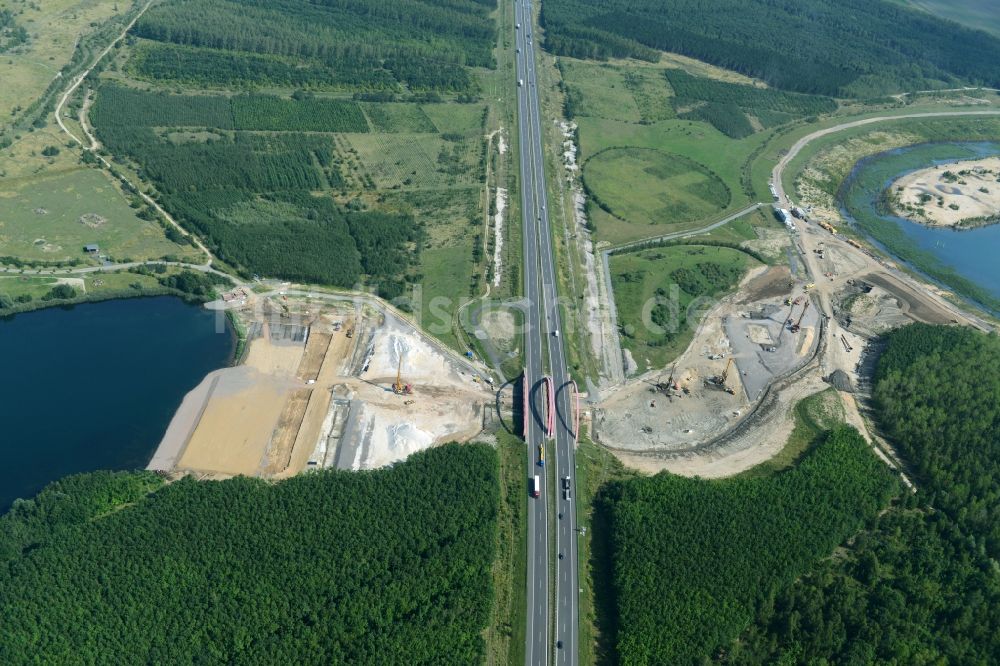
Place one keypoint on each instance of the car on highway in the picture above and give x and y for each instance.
(559, 644)
(555, 333)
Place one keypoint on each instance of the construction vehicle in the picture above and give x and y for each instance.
(669, 387)
(399, 388)
(719, 381)
(541, 456)
(810, 286)
(350, 332)
(795, 326)
(791, 314)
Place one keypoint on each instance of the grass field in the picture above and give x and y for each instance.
(397, 117)
(643, 186)
(693, 141)
(37, 286)
(55, 26)
(655, 288)
(415, 161)
(51, 217)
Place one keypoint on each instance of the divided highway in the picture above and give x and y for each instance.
(551, 634)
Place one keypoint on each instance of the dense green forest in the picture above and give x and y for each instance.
(727, 105)
(693, 559)
(130, 107)
(364, 45)
(380, 567)
(922, 586)
(249, 195)
(830, 47)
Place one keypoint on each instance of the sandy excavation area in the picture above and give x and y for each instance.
(951, 195)
(319, 394)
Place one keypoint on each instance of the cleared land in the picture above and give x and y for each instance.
(317, 394)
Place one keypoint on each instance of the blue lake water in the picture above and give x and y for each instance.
(970, 254)
(94, 386)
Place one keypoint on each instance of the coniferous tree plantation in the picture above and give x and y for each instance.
(285, 183)
(375, 44)
(829, 47)
(922, 585)
(379, 567)
(694, 559)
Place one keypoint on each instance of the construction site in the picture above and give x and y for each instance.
(787, 332)
(325, 382)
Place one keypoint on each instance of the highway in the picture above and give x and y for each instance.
(552, 635)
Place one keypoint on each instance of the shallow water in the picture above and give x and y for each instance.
(969, 254)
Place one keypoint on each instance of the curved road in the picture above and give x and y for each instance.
(779, 168)
(74, 84)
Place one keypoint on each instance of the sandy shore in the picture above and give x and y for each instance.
(959, 194)
(183, 424)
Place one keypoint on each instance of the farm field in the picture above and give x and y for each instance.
(654, 289)
(51, 217)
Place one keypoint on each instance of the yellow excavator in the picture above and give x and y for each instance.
(719, 381)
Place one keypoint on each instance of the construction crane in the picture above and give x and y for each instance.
(795, 326)
(668, 387)
(399, 388)
(719, 381)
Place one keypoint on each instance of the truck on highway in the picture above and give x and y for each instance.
(541, 456)
(536, 487)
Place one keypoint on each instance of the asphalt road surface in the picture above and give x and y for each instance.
(556, 641)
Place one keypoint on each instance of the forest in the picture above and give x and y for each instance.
(727, 105)
(249, 195)
(131, 107)
(389, 566)
(368, 45)
(921, 585)
(694, 559)
(849, 48)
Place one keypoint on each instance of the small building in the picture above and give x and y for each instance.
(93, 248)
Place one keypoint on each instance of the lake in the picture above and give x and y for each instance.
(94, 386)
(962, 260)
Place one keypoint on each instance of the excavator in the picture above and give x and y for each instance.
(719, 381)
(795, 326)
(399, 388)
